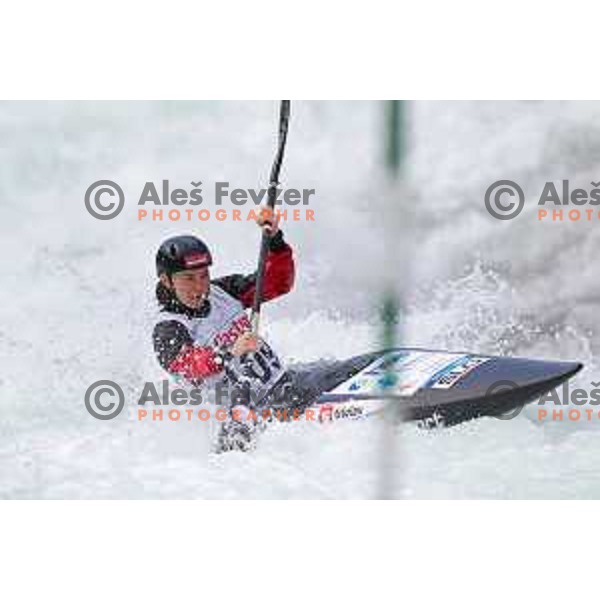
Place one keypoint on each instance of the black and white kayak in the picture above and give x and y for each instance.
(435, 388)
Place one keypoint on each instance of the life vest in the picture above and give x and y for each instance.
(219, 329)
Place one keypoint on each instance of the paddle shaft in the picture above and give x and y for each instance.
(284, 116)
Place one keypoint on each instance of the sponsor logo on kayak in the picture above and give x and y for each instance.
(432, 422)
(334, 412)
(406, 372)
(446, 379)
(557, 202)
(105, 200)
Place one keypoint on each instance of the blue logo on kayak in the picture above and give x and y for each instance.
(388, 381)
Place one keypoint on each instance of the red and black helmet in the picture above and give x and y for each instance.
(180, 253)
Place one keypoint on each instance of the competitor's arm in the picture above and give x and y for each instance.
(178, 355)
(279, 275)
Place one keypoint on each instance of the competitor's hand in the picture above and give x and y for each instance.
(269, 221)
(247, 342)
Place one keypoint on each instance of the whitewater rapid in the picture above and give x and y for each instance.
(77, 293)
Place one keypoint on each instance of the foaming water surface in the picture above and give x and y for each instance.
(77, 296)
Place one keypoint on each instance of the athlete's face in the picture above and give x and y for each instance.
(191, 286)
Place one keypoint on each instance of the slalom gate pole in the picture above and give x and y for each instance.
(394, 155)
(284, 117)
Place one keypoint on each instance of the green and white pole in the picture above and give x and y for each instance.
(390, 301)
(394, 162)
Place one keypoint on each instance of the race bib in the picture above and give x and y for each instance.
(256, 371)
